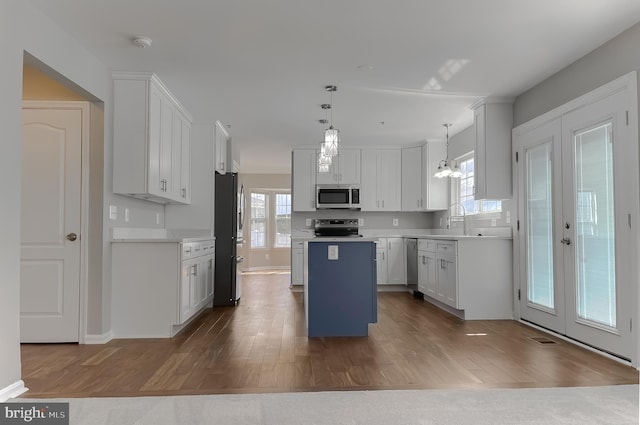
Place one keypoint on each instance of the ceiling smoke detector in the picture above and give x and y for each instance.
(142, 42)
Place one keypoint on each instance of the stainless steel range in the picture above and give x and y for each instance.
(337, 228)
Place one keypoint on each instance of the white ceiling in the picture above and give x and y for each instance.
(261, 65)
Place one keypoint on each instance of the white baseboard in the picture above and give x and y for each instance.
(98, 339)
(12, 391)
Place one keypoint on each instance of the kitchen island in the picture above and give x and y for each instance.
(340, 294)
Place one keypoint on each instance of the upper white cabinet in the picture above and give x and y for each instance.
(421, 191)
(344, 169)
(152, 138)
(222, 141)
(303, 179)
(492, 155)
(381, 181)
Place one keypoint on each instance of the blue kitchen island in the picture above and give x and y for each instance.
(340, 292)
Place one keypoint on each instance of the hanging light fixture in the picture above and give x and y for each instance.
(324, 160)
(448, 167)
(331, 135)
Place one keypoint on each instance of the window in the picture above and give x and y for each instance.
(258, 220)
(270, 219)
(283, 220)
(463, 191)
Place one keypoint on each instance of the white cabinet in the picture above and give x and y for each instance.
(421, 191)
(471, 275)
(303, 179)
(297, 262)
(151, 135)
(427, 277)
(381, 261)
(447, 273)
(222, 148)
(381, 180)
(396, 262)
(344, 169)
(492, 154)
(196, 284)
(159, 286)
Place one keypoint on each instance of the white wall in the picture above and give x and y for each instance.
(10, 159)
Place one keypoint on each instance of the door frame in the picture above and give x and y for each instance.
(85, 109)
(628, 83)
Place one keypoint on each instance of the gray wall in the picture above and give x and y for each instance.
(608, 62)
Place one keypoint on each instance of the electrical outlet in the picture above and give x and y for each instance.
(113, 212)
(307, 222)
(508, 217)
(361, 222)
(126, 215)
(395, 222)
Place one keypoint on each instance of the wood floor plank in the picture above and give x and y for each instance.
(261, 346)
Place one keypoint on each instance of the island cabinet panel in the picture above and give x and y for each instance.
(340, 288)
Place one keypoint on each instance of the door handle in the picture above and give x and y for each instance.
(565, 241)
(72, 237)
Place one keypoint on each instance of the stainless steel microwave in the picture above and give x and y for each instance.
(337, 196)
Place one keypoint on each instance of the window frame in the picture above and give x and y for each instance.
(270, 218)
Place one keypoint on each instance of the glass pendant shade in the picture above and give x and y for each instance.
(331, 141)
(324, 160)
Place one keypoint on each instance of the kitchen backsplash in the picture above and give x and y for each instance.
(372, 220)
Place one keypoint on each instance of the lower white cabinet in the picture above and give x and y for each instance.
(427, 276)
(381, 261)
(472, 275)
(397, 262)
(158, 286)
(447, 273)
(297, 262)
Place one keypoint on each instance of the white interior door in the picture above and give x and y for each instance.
(576, 197)
(50, 227)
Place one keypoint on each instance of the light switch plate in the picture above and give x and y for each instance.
(307, 222)
(395, 222)
(508, 217)
(126, 215)
(157, 218)
(361, 222)
(333, 252)
(493, 222)
(113, 212)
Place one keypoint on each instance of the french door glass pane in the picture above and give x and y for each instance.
(540, 284)
(595, 231)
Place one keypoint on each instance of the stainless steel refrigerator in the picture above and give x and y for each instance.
(226, 284)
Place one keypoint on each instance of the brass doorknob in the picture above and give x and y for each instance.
(72, 237)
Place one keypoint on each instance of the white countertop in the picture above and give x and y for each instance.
(147, 234)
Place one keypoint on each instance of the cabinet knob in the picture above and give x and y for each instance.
(72, 237)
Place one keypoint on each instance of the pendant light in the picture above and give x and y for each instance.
(324, 160)
(447, 167)
(331, 135)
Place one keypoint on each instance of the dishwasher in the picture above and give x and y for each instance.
(412, 262)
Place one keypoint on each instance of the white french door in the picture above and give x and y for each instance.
(575, 207)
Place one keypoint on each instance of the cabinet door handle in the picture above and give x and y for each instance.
(383, 255)
(184, 192)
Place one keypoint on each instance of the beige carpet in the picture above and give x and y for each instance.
(608, 405)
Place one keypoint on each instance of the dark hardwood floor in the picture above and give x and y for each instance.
(260, 346)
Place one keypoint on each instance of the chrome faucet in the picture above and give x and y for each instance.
(458, 217)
